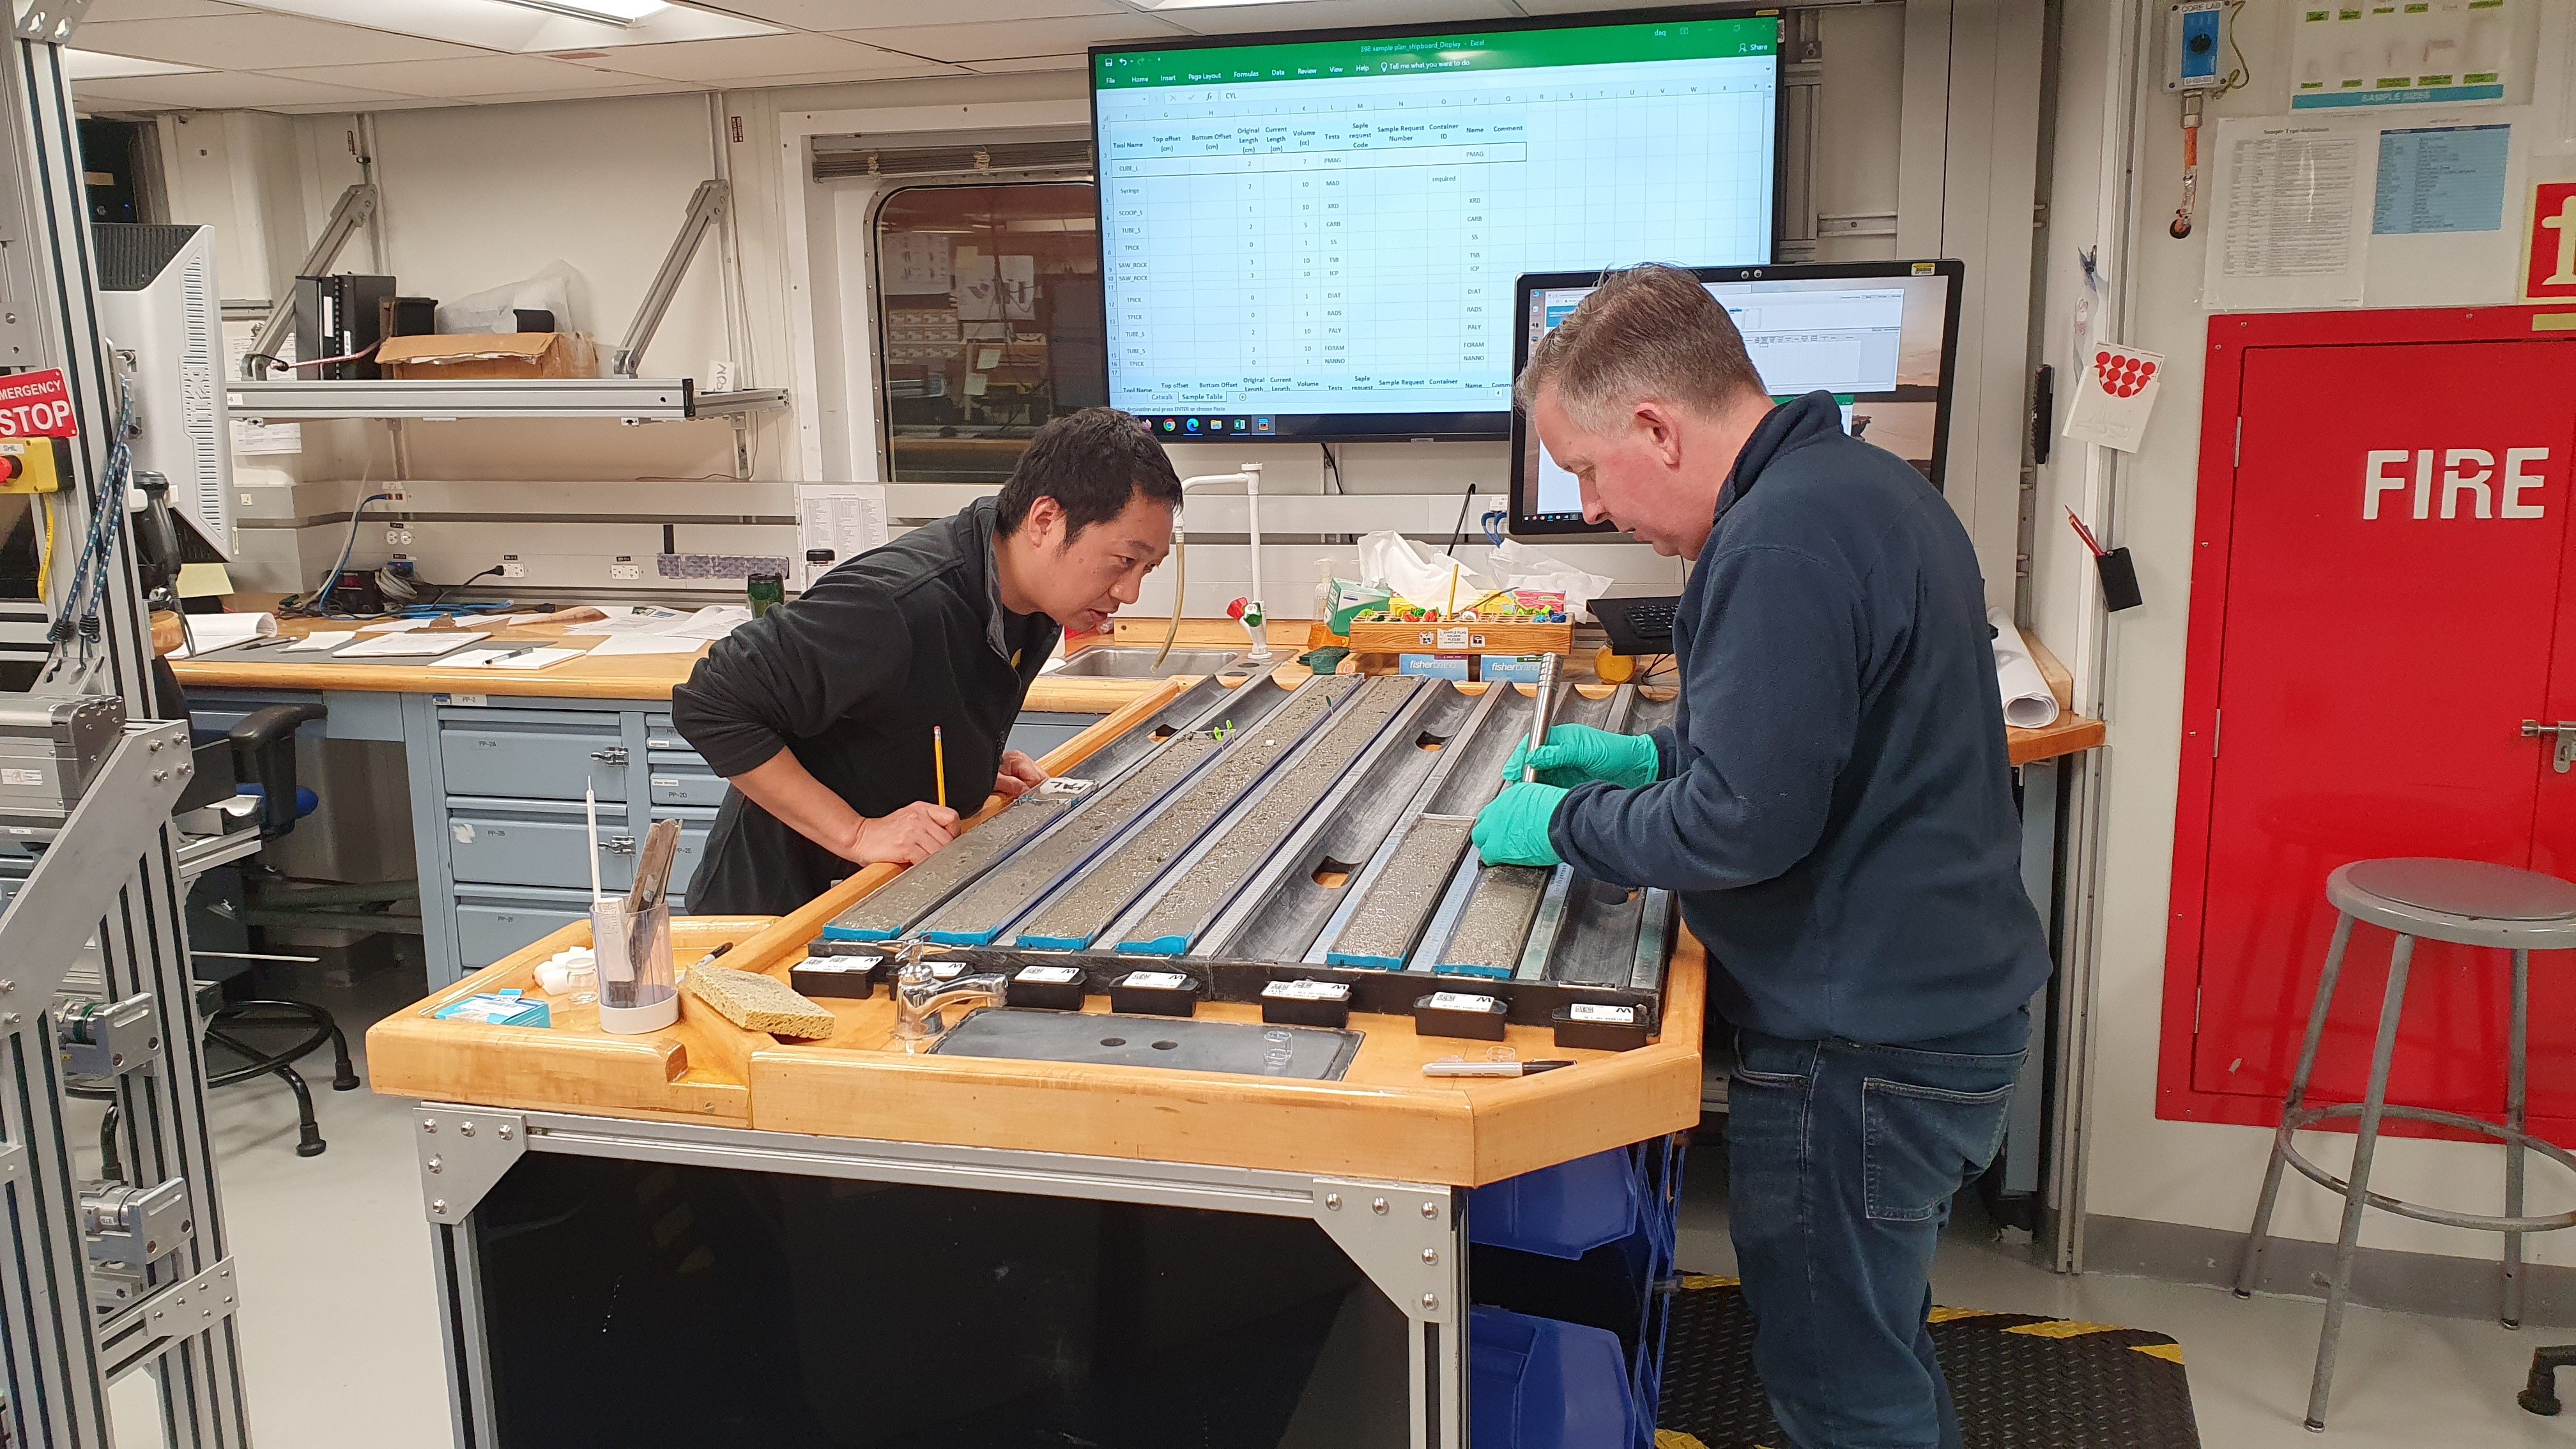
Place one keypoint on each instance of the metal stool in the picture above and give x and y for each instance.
(2467, 904)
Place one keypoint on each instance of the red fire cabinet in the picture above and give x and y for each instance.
(2383, 592)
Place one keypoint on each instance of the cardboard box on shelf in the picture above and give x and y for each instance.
(484, 355)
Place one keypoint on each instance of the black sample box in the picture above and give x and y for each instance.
(851, 978)
(1045, 988)
(1597, 1027)
(1154, 993)
(1459, 1014)
(1306, 1003)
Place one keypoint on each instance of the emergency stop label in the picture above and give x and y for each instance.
(36, 405)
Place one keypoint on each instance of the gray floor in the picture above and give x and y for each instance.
(341, 1326)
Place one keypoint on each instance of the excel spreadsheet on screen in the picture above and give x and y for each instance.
(1321, 239)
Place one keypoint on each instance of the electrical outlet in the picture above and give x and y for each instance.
(511, 568)
(625, 571)
(720, 375)
(398, 537)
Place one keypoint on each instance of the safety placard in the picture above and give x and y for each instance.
(2549, 246)
(36, 405)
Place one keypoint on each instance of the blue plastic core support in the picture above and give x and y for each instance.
(1159, 946)
(856, 933)
(1490, 973)
(1364, 963)
(1036, 943)
(960, 938)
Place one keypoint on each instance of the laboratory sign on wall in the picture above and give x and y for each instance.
(36, 405)
(2549, 247)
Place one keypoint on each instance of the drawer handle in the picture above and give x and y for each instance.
(613, 755)
(619, 845)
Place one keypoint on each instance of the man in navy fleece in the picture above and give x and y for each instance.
(1833, 806)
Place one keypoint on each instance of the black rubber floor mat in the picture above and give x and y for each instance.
(2020, 1381)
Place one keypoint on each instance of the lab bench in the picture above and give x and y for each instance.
(496, 763)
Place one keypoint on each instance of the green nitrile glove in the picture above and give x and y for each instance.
(1577, 753)
(1513, 829)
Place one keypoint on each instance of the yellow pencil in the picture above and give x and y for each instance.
(1452, 611)
(939, 764)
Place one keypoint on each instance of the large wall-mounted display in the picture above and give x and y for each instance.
(1318, 237)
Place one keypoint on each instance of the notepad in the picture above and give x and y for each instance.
(510, 658)
(409, 645)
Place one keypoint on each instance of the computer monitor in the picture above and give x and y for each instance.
(1881, 336)
(1313, 237)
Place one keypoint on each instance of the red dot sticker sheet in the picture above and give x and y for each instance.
(2115, 397)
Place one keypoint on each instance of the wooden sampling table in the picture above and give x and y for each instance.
(696, 1234)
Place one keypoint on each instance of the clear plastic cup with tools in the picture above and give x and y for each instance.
(631, 936)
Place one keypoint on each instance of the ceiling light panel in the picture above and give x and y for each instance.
(615, 12)
(510, 26)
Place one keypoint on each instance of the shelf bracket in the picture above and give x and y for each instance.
(706, 208)
(355, 208)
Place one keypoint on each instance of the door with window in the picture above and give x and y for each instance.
(989, 321)
(2381, 584)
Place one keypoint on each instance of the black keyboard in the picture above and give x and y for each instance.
(1637, 626)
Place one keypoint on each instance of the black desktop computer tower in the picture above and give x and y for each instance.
(340, 316)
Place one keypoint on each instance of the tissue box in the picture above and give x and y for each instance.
(1510, 668)
(1433, 666)
(498, 1008)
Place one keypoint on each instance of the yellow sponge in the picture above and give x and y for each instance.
(760, 1003)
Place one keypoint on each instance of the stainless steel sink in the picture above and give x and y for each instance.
(1180, 1043)
(1125, 663)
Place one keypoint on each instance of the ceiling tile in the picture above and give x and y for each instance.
(102, 11)
(1028, 62)
(217, 91)
(633, 86)
(757, 56)
(1001, 40)
(240, 42)
(518, 29)
(479, 75)
(1330, 14)
(861, 14)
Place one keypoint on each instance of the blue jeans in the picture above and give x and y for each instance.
(1841, 1162)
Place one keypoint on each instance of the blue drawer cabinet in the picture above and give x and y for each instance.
(684, 780)
(496, 808)
(549, 756)
(493, 922)
(535, 842)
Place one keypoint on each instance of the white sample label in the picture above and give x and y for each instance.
(1593, 1011)
(1308, 990)
(838, 963)
(1156, 980)
(1460, 1001)
(1050, 975)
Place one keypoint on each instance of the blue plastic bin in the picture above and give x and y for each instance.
(1536, 1383)
(1563, 1211)
(1610, 1220)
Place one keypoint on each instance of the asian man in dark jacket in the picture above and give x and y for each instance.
(1833, 807)
(819, 713)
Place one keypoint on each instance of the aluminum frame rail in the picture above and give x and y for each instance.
(61, 1351)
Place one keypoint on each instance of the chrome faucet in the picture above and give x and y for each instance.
(920, 999)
